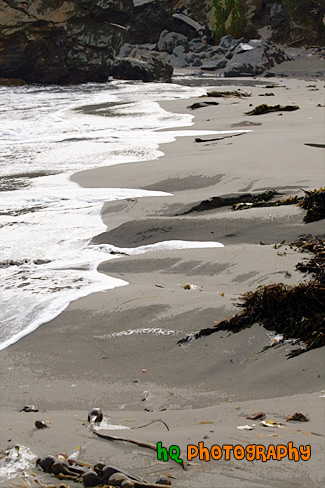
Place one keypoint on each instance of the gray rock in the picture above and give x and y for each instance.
(254, 62)
(278, 16)
(61, 42)
(213, 50)
(169, 40)
(149, 19)
(126, 50)
(197, 62)
(228, 42)
(214, 63)
(198, 46)
(179, 61)
(143, 65)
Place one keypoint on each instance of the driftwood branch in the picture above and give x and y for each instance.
(146, 425)
(147, 445)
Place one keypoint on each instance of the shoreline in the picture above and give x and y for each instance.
(209, 379)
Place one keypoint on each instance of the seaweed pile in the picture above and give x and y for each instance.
(296, 312)
(314, 203)
(228, 94)
(265, 109)
(316, 264)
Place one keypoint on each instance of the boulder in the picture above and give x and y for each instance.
(149, 19)
(254, 58)
(61, 41)
(169, 40)
(214, 63)
(142, 65)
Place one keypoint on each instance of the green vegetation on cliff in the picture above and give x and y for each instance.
(229, 18)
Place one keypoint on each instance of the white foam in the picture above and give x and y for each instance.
(16, 460)
(53, 219)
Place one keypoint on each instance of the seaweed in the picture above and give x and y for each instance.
(228, 94)
(314, 203)
(316, 264)
(265, 201)
(232, 199)
(295, 311)
(197, 105)
(265, 109)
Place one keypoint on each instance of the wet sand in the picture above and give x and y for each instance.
(95, 352)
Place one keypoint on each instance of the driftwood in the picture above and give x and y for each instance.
(153, 421)
(197, 139)
(147, 445)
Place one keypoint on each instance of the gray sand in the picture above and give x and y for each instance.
(95, 352)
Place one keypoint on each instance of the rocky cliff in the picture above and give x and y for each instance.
(75, 41)
(298, 22)
(61, 41)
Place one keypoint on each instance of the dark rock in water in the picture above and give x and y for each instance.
(143, 65)
(90, 478)
(45, 463)
(169, 40)
(149, 19)
(61, 42)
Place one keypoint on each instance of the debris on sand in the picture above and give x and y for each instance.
(95, 415)
(93, 475)
(316, 264)
(296, 312)
(265, 109)
(228, 94)
(314, 203)
(256, 416)
(197, 105)
(40, 424)
(29, 408)
(298, 417)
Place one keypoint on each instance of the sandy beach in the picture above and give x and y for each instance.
(108, 348)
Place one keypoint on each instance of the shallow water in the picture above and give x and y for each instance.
(47, 221)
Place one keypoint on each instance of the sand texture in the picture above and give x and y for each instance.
(95, 352)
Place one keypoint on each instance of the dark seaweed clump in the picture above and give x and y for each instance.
(296, 312)
(314, 203)
(227, 94)
(316, 264)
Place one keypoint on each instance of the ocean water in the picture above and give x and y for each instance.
(47, 221)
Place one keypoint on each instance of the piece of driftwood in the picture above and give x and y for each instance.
(147, 445)
(152, 422)
(197, 139)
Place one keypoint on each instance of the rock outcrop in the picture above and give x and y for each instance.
(142, 65)
(61, 41)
